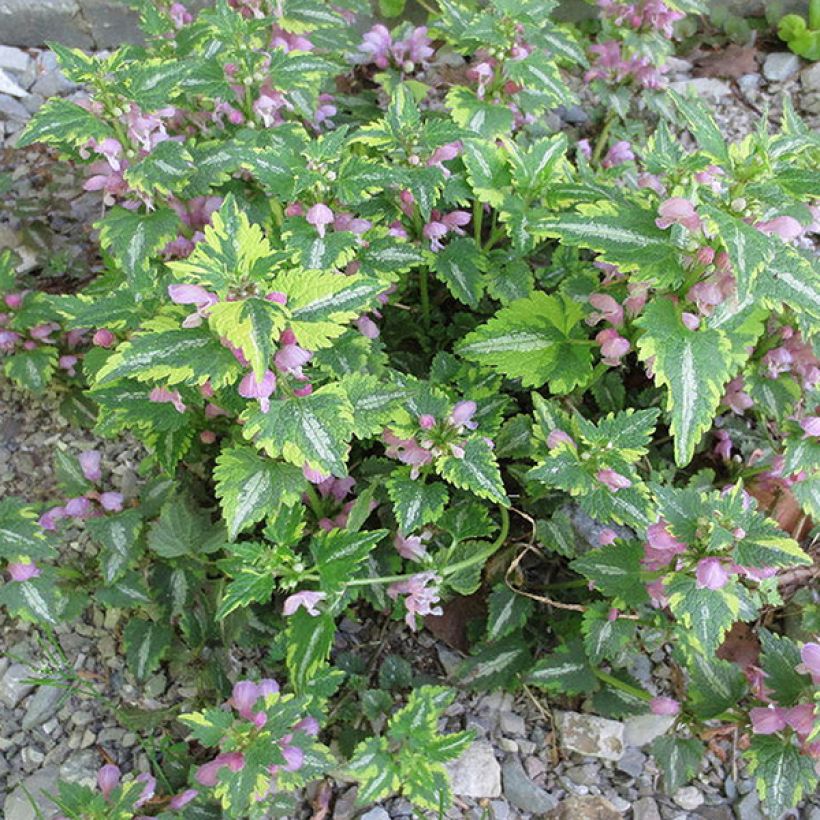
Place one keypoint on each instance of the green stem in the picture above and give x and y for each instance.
(600, 143)
(616, 683)
(814, 15)
(428, 8)
(424, 296)
(478, 216)
(314, 500)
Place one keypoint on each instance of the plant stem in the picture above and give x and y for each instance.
(616, 683)
(478, 216)
(424, 296)
(428, 8)
(600, 143)
(314, 500)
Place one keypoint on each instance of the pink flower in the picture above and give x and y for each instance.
(320, 216)
(67, 363)
(48, 520)
(723, 449)
(294, 758)
(608, 310)
(660, 538)
(8, 340)
(208, 774)
(678, 211)
(148, 792)
(290, 358)
(420, 598)
(607, 536)
(267, 687)
(786, 227)
(367, 327)
(558, 438)
(664, 706)
(434, 231)
(711, 574)
(193, 295)
(103, 338)
(706, 295)
(308, 725)
(620, 153)
(811, 426)
(800, 718)
(810, 655)
(108, 778)
(691, 321)
(244, 695)
(615, 481)
(735, 398)
(111, 501)
(426, 421)
(613, 346)
(455, 221)
(462, 414)
(306, 599)
(162, 395)
(90, 464)
(584, 149)
(79, 507)
(635, 301)
(251, 388)
(23, 570)
(766, 720)
(183, 799)
(180, 17)
(411, 546)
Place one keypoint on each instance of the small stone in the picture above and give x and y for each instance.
(18, 806)
(780, 66)
(32, 758)
(749, 808)
(81, 718)
(584, 775)
(645, 809)
(507, 745)
(677, 65)
(500, 810)
(632, 763)
(476, 773)
(535, 767)
(810, 77)
(585, 808)
(522, 792)
(44, 703)
(512, 724)
(591, 735)
(688, 798)
(640, 730)
(707, 87)
(156, 685)
(376, 814)
(449, 660)
(14, 59)
(12, 685)
(81, 768)
(345, 807)
(12, 110)
(527, 747)
(52, 84)
(9, 86)
(33, 103)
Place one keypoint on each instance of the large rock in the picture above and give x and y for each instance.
(476, 773)
(37, 788)
(591, 735)
(14, 59)
(522, 792)
(10, 86)
(44, 703)
(709, 88)
(32, 23)
(585, 808)
(640, 730)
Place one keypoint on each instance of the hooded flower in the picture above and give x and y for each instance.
(613, 346)
(678, 211)
(411, 547)
(615, 481)
(607, 308)
(421, 593)
(251, 388)
(766, 720)
(162, 395)
(208, 774)
(108, 778)
(320, 216)
(23, 570)
(810, 655)
(711, 574)
(307, 599)
(193, 295)
(90, 461)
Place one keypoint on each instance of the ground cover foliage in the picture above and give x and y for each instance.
(382, 331)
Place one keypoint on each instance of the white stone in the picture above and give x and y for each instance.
(707, 87)
(17, 805)
(14, 59)
(591, 735)
(9, 86)
(810, 77)
(376, 814)
(642, 729)
(13, 687)
(645, 809)
(780, 66)
(476, 773)
(688, 798)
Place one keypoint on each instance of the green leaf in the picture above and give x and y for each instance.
(460, 265)
(415, 502)
(208, 726)
(629, 238)
(680, 759)
(794, 279)
(486, 171)
(251, 487)
(495, 665)
(539, 340)
(375, 770)
(477, 471)
(172, 356)
(309, 640)
(508, 612)
(483, 118)
(253, 325)
(146, 642)
(20, 534)
(707, 613)
(615, 570)
(782, 773)
(134, 239)
(338, 554)
(703, 127)
(164, 170)
(248, 585)
(183, 530)
(715, 685)
(32, 369)
(766, 545)
(374, 402)
(313, 430)
(778, 660)
(38, 600)
(694, 366)
(605, 639)
(119, 536)
(565, 670)
(64, 124)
